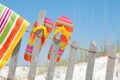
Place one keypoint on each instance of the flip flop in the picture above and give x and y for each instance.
(12, 28)
(47, 29)
(64, 25)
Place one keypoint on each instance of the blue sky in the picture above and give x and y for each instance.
(90, 17)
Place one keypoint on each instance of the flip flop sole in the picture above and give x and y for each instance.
(62, 21)
(49, 25)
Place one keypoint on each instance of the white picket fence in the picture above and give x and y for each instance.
(71, 61)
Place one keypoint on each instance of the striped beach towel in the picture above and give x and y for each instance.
(65, 25)
(47, 28)
(12, 28)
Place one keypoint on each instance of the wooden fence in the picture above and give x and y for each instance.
(71, 61)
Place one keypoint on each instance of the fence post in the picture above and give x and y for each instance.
(71, 60)
(52, 65)
(36, 49)
(91, 60)
(13, 62)
(110, 63)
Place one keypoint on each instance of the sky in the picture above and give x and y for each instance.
(94, 20)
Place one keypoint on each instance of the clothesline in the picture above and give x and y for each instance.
(69, 44)
(84, 49)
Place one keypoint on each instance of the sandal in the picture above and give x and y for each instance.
(64, 25)
(47, 29)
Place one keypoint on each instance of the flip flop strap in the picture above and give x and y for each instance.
(45, 33)
(64, 32)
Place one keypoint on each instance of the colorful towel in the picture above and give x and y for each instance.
(12, 28)
(65, 25)
(47, 28)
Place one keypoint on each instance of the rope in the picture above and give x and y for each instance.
(84, 49)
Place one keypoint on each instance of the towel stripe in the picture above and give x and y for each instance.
(3, 15)
(11, 36)
(6, 20)
(12, 28)
(8, 27)
(17, 38)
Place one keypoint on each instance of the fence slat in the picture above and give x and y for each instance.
(71, 60)
(91, 60)
(110, 63)
(36, 49)
(52, 65)
(13, 62)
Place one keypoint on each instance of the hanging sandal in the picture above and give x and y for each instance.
(47, 29)
(64, 25)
